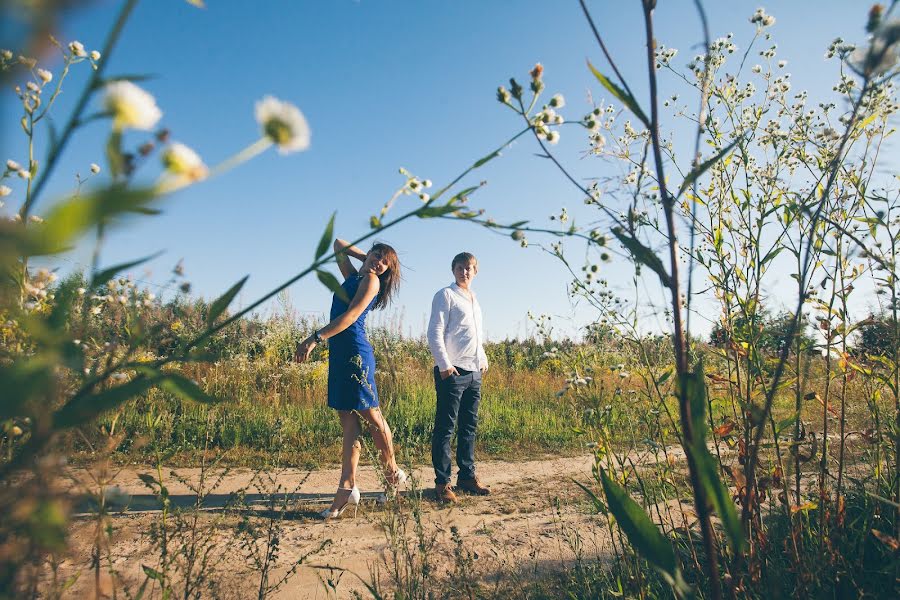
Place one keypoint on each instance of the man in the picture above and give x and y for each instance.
(455, 337)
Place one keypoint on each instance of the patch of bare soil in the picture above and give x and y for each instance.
(528, 523)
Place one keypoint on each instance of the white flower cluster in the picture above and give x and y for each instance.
(838, 47)
(664, 55)
(77, 51)
(182, 161)
(12, 167)
(761, 19)
(414, 185)
(284, 124)
(562, 217)
(120, 292)
(547, 117)
(37, 289)
(845, 84)
(780, 85)
(131, 107)
(574, 380)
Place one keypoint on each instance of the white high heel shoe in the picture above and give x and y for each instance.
(391, 490)
(352, 500)
(402, 478)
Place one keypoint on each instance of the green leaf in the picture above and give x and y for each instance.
(642, 532)
(707, 466)
(772, 254)
(327, 235)
(68, 220)
(462, 194)
(114, 156)
(598, 503)
(623, 96)
(784, 424)
(22, 381)
(429, 212)
(482, 161)
(186, 389)
(332, 283)
(152, 573)
(703, 167)
(222, 302)
(643, 255)
(665, 376)
(82, 409)
(101, 277)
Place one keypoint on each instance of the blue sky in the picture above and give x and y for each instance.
(384, 84)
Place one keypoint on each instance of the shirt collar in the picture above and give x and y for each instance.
(456, 288)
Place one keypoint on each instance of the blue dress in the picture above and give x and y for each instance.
(351, 359)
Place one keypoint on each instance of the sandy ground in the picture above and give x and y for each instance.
(526, 525)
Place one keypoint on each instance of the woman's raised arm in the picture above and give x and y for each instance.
(343, 250)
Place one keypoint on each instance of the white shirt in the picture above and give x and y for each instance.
(455, 332)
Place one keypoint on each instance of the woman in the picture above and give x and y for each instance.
(351, 364)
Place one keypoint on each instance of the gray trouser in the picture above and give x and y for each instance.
(457, 396)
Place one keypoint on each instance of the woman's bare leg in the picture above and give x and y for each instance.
(384, 441)
(349, 456)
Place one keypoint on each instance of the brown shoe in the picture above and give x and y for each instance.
(473, 486)
(444, 493)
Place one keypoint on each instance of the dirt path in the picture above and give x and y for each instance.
(522, 526)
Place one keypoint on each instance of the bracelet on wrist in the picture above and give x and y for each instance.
(317, 337)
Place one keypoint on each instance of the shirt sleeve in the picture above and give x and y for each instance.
(482, 356)
(440, 314)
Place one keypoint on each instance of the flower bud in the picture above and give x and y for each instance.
(77, 49)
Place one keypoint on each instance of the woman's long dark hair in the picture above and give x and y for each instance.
(390, 279)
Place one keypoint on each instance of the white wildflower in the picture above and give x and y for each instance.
(424, 197)
(284, 124)
(553, 137)
(95, 168)
(77, 49)
(761, 19)
(426, 183)
(22, 173)
(95, 56)
(6, 54)
(96, 310)
(12, 165)
(557, 101)
(182, 160)
(81, 291)
(782, 64)
(35, 219)
(5, 190)
(33, 87)
(46, 76)
(132, 107)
